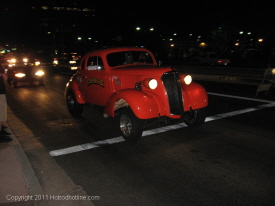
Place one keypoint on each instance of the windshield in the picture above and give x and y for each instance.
(129, 57)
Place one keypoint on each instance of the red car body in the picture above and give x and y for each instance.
(117, 79)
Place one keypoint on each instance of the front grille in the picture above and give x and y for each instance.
(172, 85)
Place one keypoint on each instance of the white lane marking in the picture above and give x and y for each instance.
(115, 140)
(243, 98)
(86, 146)
(238, 112)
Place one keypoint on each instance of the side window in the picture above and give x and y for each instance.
(95, 63)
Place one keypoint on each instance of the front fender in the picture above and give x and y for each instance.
(73, 86)
(195, 96)
(145, 105)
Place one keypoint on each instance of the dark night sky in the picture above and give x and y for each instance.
(190, 14)
(184, 16)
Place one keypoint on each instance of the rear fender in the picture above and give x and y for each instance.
(145, 105)
(195, 96)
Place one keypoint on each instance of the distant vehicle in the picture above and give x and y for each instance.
(30, 61)
(222, 62)
(8, 60)
(11, 61)
(66, 62)
(210, 59)
(129, 83)
(25, 73)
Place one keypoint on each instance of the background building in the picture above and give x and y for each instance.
(174, 31)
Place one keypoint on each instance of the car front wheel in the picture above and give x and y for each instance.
(74, 107)
(131, 127)
(195, 117)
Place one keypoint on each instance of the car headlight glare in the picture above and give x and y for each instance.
(150, 83)
(13, 61)
(187, 79)
(20, 75)
(153, 84)
(37, 63)
(39, 73)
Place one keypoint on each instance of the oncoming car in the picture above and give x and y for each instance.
(127, 82)
(26, 73)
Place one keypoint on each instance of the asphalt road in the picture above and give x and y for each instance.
(227, 161)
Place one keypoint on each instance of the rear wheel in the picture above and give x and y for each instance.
(131, 127)
(195, 117)
(74, 107)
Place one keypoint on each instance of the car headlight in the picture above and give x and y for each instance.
(150, 83)
(37, 63)
(13, 61)
(25, 60)
(187, 79)
(39, 73)
(20, 75)
(72, 62)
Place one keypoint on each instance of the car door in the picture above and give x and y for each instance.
(94, 81)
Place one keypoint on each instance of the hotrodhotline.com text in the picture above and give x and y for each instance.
(22, 198)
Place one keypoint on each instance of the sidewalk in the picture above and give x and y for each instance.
(29, 176)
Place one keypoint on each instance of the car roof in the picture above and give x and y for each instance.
(106, 51)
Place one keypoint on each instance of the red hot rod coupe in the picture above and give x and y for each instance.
(130, 83)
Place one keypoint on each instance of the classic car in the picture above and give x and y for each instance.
(128, 82)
